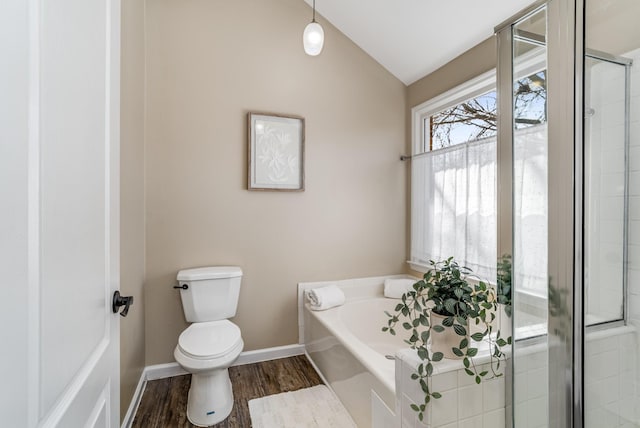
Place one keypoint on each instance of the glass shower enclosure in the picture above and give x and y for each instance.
(569, 211)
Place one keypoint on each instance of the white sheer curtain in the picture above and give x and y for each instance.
(530, 206)
(454, 206)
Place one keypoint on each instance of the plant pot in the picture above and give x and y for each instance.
(444, 341)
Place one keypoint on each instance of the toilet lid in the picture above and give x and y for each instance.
(209, 339)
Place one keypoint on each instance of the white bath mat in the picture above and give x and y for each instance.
(315, 407)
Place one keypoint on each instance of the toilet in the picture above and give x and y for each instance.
(211, 343)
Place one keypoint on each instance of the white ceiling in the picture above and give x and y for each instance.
(412, 38)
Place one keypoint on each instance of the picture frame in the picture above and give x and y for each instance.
(275, 152)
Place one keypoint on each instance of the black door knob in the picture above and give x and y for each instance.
(118, 301)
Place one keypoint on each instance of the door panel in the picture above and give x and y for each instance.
(100, 415)
(62, 165)
(73, 242)
(14, 74)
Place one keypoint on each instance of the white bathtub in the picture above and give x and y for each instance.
(348, 347)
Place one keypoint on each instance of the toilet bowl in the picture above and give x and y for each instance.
(211, 343)
(206, 350)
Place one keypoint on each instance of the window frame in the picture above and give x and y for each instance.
(481, 84)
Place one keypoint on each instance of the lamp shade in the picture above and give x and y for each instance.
(313, 39)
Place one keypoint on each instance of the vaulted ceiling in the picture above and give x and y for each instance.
(412, 38)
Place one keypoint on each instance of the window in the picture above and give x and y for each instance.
(454, 178)
(470, 120)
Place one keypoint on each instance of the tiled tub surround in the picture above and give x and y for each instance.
(463, 404)
(610, 362)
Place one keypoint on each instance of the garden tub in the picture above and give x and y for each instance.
(352, 353)
(346, 344)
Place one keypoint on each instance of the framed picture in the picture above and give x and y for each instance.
(276, 152)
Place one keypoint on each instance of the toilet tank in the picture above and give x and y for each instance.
(210, 293)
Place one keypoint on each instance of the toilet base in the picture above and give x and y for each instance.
(210, 398)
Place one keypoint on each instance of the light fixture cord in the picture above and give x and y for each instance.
(314, 11)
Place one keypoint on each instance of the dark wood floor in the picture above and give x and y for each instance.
(164, 402)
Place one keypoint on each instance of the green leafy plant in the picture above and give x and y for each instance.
(503, 283)
(446, 290)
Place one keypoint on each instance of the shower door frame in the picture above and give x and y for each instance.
(565, 65)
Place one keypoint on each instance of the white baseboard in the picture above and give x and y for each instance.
(162, 371)
(135, 402)
(268, 354)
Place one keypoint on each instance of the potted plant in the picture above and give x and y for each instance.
(446, 300)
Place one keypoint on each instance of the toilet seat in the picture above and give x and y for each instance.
(209, 340)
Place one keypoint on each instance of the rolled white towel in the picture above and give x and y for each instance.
(394, 288)
(325, 297)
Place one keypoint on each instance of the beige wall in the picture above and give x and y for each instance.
(208, 64)
(132, 336)
(612, 25)
(472, 63)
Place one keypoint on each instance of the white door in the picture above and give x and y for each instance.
(59, 231)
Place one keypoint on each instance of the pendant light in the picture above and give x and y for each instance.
(313, 36)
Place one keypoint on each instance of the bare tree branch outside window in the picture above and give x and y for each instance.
(476, 119)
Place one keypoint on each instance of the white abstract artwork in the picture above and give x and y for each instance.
(276, 152)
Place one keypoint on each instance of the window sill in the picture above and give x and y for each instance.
(419, 267)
